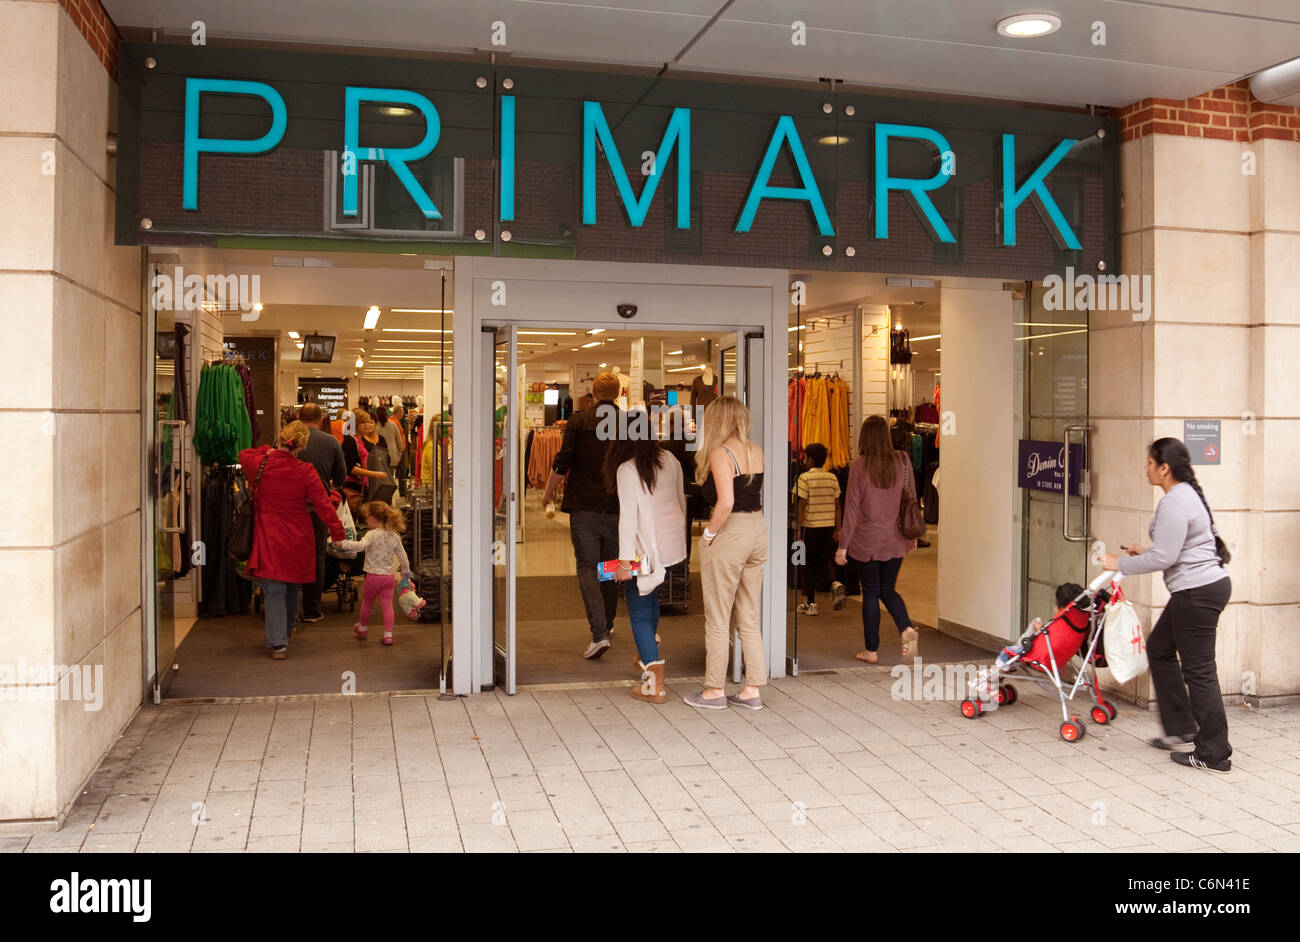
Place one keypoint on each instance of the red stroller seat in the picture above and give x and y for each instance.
(1064, 634)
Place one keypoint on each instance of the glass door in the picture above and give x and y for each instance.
(1053, 461)
(500, 391)
(169, 486)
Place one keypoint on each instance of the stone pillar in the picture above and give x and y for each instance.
(70, 536)
(1211, 210)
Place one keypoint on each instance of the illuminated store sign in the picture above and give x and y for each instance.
(676, 141)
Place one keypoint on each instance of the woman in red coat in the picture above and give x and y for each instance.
(284, 545)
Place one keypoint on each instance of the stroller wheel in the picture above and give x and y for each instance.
(1110, 708)
(1072, 730)
(1006, 695)
(1100, 715)
(971, 709)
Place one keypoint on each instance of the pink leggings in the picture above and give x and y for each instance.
(379, 587)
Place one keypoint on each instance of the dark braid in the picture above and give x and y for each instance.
(1174, 453)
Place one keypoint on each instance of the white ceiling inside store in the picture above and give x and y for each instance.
(1153, 48)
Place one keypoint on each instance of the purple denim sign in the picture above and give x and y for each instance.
(1041, 466)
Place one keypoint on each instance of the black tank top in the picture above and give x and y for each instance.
(748, 496)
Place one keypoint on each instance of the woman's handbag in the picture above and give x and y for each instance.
(911, 521)
(239, 540)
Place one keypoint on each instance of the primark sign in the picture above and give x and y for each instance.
(585, 162)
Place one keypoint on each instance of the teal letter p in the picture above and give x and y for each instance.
(195, 145)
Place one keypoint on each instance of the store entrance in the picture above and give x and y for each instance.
(537, 378)
(341, 334)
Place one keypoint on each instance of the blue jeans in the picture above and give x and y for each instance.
(643, 613)
(280, 604)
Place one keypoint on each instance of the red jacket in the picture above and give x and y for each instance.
(284, 544)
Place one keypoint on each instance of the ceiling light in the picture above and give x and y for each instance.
(674, 353)
(596, 330)
(927, 337)
(603, 365)
(594, 343)
(574, 349)
(360, 363)
(793, 329)
(419, 310)
(299, 344)
(834, 140)
(1029, 25)
(547, 333)
(372, 317)
(414, 330)
(294, 335)
(396, 111)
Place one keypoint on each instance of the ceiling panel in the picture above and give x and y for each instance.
(1153, 49)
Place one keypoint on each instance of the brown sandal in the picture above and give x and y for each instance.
(870, 657)
(909, 639)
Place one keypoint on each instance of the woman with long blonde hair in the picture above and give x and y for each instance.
(734, 550)
(870, 539)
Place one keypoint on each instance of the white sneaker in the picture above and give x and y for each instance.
(807, 608)
(596, 649)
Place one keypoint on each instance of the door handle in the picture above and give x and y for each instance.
(1085, 537)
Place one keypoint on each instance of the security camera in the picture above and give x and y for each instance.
(627, 311)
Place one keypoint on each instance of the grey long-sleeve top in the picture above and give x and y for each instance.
(1182, 543)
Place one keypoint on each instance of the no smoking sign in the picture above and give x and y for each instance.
(1203, 438)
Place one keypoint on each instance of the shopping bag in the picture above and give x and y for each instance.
(349, 530)
(1126, 651)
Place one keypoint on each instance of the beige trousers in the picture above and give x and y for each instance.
(731, 574)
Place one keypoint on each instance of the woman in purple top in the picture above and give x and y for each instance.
(869, 536)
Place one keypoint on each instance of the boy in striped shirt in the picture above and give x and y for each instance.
(818, 521)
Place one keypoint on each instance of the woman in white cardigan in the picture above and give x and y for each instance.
(651, 527)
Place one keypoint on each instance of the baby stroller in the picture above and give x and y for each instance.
(1043, 656)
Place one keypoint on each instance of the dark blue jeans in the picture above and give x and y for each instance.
(877, 579)
(643, 613)
(280, 604)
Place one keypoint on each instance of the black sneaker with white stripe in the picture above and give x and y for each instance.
(1191, 760)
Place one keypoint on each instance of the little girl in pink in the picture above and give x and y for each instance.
(385, 560)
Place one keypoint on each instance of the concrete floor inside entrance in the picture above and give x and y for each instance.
(225, 657)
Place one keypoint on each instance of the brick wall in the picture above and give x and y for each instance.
(95, 24)
(1230, 113)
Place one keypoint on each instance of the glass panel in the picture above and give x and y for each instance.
(729, 381)
(1052, 350)
(171, 502)
(503, 513)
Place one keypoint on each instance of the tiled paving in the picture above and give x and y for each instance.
(833, 763)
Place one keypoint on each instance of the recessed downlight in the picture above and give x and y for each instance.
(1029, 25)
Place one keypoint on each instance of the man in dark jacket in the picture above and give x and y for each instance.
(324, 453)
(593, 511)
